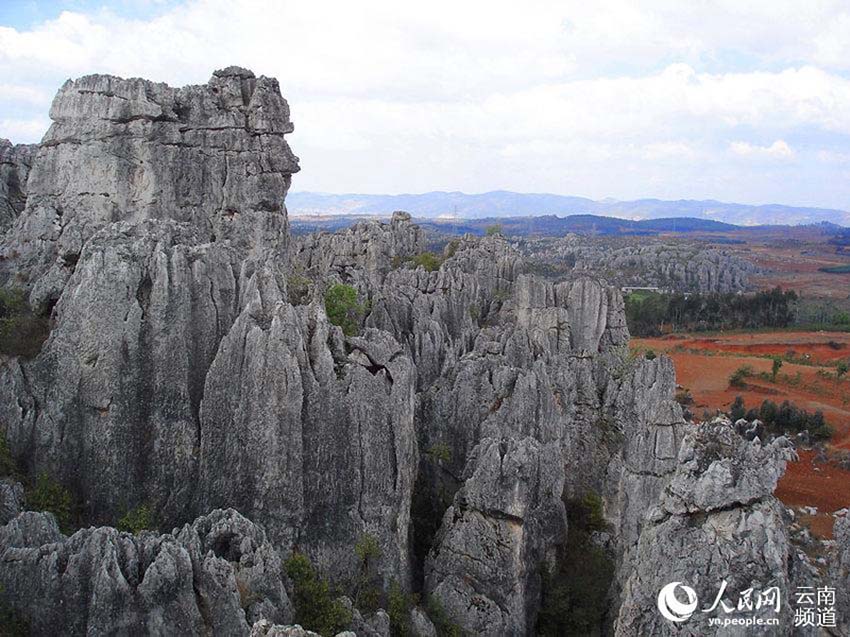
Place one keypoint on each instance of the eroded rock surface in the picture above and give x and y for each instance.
(218, 575)
(15, 163)
(192, 367)
(717, 520)
(212, 156)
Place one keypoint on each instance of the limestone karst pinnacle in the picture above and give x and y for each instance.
(183, 373)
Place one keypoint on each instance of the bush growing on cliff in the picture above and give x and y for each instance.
(738, 409)
(315, 607)
(8, 466)
(13, 623)
(135, 520)
(399, 605)
(367, 590)
(48, 495)
(427, 260)
(22, 331)
(343, 308)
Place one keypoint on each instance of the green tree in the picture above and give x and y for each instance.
(841, 369)
(428, 260)
(135, 520)
(775, 367)
(343, 308)
(737, 410)
(315, 607)
(493, 230)
(49, 495)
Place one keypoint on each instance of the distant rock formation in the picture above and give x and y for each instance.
(679, 266)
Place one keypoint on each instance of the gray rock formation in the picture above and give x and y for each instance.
(11, 499)
(192, 367)
(212, 156)
(15, 163)
(502, 525)
(676, 265)
(716, 521)
(218, 575)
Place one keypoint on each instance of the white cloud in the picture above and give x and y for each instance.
(777, 150)
(609, 98)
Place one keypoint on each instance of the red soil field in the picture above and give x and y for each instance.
(704, 364)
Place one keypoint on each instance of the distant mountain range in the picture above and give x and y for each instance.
(501, 203)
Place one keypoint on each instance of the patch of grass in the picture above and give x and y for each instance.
(836, 269)
(298, 288)
(439, 452)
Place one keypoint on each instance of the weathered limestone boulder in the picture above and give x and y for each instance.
(218, 575)
(716, 520)
(15, 163)
(504, 522)
(212, 156)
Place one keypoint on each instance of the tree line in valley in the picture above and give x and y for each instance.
(652, 313)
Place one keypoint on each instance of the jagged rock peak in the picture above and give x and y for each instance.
(212, 156)
(235, 71)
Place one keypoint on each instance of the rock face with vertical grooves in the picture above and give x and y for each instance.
(192, 368)
(716, 520)
(218, 574)
(15, 163)
(211, 156)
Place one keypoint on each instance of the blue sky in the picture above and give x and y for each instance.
(25, 14)
(738, 101)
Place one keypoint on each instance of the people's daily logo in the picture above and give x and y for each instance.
(669, 605)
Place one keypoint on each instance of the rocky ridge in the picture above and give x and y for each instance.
(683, 266)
